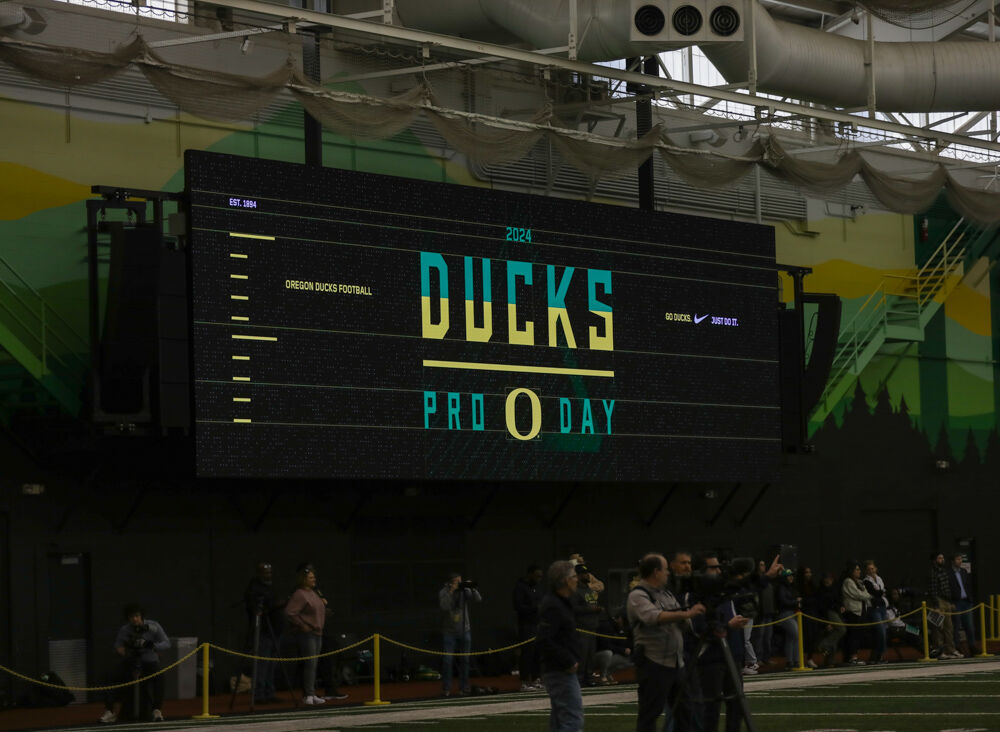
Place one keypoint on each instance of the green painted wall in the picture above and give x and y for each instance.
(50, 158)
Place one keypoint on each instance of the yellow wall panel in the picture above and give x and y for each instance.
(87, 151)
(24, 191)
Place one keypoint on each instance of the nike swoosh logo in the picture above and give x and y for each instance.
(698, 320)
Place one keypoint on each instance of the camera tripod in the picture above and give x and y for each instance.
(731, 673)
(138, 689)
(258, 616)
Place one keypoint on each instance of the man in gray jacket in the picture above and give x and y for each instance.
(139, 643)
(657, 622)
(454, 599)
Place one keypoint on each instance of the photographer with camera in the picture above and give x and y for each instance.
(657, 623)
(138, 643)
(266, 618)
(454, 599)
(732, 603)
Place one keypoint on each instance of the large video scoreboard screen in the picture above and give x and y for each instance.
(357, 325)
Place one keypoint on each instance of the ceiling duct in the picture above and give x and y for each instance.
(810, 65)
(11, 15)
(15, 17)
(792, 60)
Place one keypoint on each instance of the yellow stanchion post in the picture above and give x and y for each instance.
(927, 641)
(802, 659)
(204, 686)
(377, 656)
(982, 631)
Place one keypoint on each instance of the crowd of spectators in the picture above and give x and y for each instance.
(685, 615)
(851, 618)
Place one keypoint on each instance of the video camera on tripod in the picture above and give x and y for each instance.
(732, 584)
(136, 642)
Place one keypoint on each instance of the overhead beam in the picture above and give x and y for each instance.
(660, 506)
(725, 503)
(753, 504)
(408, 35)
(822, 7)
(562, 506)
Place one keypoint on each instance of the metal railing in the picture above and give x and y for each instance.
(43, 342)
(911, 300)
(944, 261)
(867, 325)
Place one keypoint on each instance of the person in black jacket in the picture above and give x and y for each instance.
(559, 649)
(525, 599)
(787, 600)
(588, 611)
(960, 583)
(830, 608)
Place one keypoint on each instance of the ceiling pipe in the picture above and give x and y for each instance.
(14, 17)
(11, 15)
(810, 65)
(792, 60)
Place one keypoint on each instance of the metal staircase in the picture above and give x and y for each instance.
(899, 310)
(43, 360)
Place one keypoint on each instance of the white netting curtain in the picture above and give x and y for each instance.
(487, 140)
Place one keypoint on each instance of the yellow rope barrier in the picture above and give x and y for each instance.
(377, 700)
(376, 637)
(958, 612)
(765, 625)
(926, 636)
(205, 714)
(290, 658)
(455, 653)
(109, 687)
(826, 621)
(601, 635)
(801, 641)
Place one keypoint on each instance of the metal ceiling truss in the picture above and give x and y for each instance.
(767, 109)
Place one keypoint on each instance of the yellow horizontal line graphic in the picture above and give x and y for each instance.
(251, 236)
(241, 378)
(516, 368)
(241, 399)
(237, 255)
(242, 318)
(253, 338)
(241, 421)
(239, 297)
(238, 277)
(241, 358)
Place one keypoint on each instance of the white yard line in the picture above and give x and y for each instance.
(354, 717)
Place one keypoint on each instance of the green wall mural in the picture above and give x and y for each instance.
(944, 369)
(946, 375)
(50, 159)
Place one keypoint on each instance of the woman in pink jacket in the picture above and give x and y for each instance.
(306, 613)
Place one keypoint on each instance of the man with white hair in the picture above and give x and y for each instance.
(559, 649)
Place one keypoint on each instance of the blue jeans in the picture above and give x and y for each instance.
(309, 645)
(876, 614)
(263, 682)
(965, 620)
(764, 634)
(567, 702)
(464, 642)
(790, 627)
